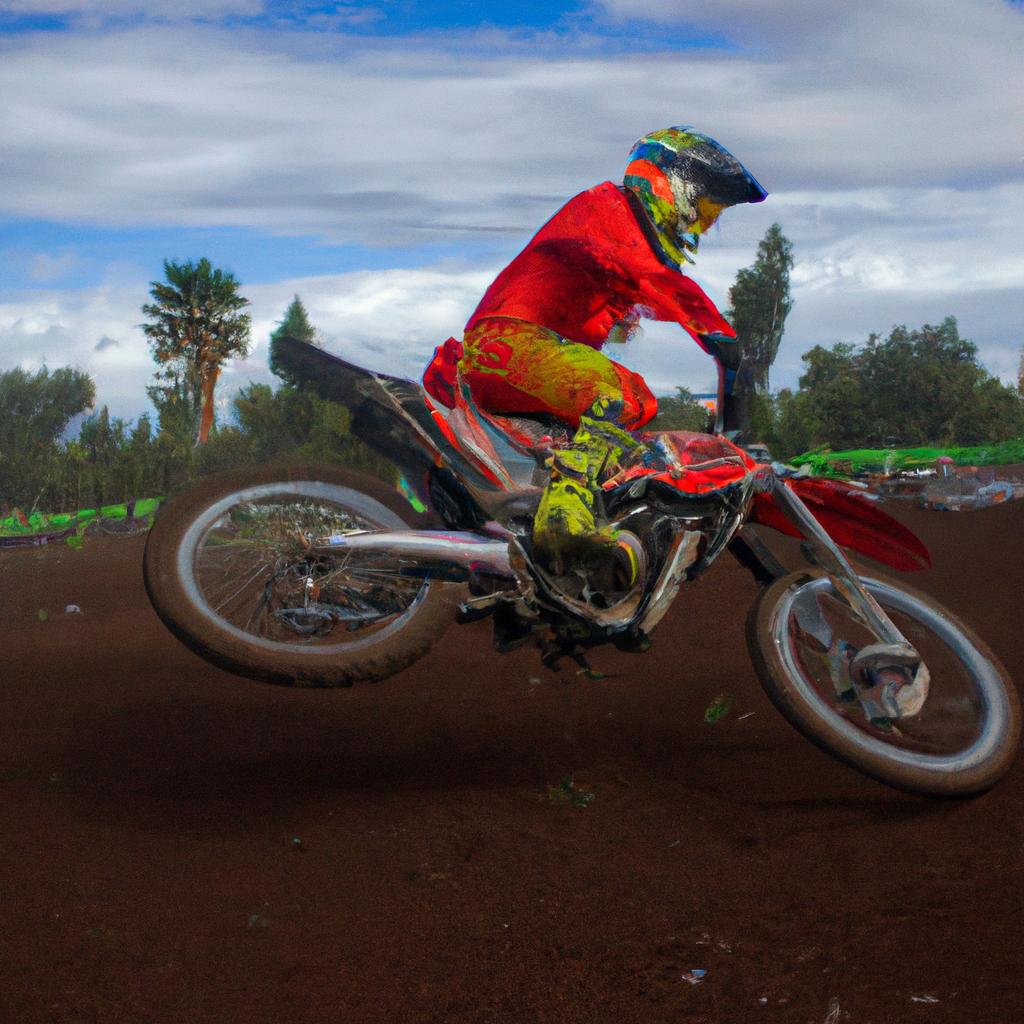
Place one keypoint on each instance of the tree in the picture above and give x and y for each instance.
(922, 386)
(277, 423)
(797, 428)
(759, 304)
(197, 325)
(679, 412)
(294, 325)
(832, 396)
(35, 409)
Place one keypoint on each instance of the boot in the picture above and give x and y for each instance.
(567, 541)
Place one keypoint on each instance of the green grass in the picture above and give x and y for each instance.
(43, 522)
(877, 460)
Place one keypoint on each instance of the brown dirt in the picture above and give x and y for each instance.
(180, 845)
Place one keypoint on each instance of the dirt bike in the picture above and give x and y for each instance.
(320, 576)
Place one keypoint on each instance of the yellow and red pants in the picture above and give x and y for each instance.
(517, 367)
(513, 366)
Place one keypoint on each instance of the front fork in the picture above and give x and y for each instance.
(889, 677)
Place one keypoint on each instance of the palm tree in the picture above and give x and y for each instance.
(196, 326)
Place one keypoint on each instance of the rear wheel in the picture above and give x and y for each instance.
(802, 637)
(236, 569)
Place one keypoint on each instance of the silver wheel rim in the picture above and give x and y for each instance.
(361, 504)
(986, 679)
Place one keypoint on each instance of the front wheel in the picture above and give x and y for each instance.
(235, 568)
(802, 638)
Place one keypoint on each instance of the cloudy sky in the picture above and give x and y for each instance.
(384, 160)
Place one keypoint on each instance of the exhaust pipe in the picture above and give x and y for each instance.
(433, 553)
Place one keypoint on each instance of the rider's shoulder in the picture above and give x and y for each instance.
(602, 209)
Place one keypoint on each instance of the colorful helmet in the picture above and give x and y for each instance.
(685, 179)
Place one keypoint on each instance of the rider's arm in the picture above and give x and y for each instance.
(727, 356)
(681, 299)
(668, 295)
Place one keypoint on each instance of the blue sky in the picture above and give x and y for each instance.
(385, 159)
(383, 18)
(81, 254)
(390, 16)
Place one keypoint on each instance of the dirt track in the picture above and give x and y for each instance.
(180, 845)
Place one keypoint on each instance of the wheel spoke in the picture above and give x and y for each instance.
(352, 596)
(259, 572)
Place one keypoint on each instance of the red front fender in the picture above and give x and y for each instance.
(850, 519)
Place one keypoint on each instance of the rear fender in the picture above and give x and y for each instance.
(391, 415)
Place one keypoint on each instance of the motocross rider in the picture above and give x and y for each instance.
(608, 257)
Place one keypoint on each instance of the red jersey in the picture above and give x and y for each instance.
(589, 267)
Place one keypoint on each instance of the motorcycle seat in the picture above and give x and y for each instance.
(531, 431)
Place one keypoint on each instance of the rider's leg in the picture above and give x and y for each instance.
(514, 366)
(517, 367)
(597, 449)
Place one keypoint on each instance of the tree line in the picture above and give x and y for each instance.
(912, 387)
(196, 324)
(921, 386)
(915, 387)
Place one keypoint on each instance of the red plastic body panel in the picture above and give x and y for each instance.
(851, 519)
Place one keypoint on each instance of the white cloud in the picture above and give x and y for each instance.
(900, 32)
(344, 16)
(64, 328)
(742, 19)
(389, 320)
(907, 240)
(375, 140)
(888, 132)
